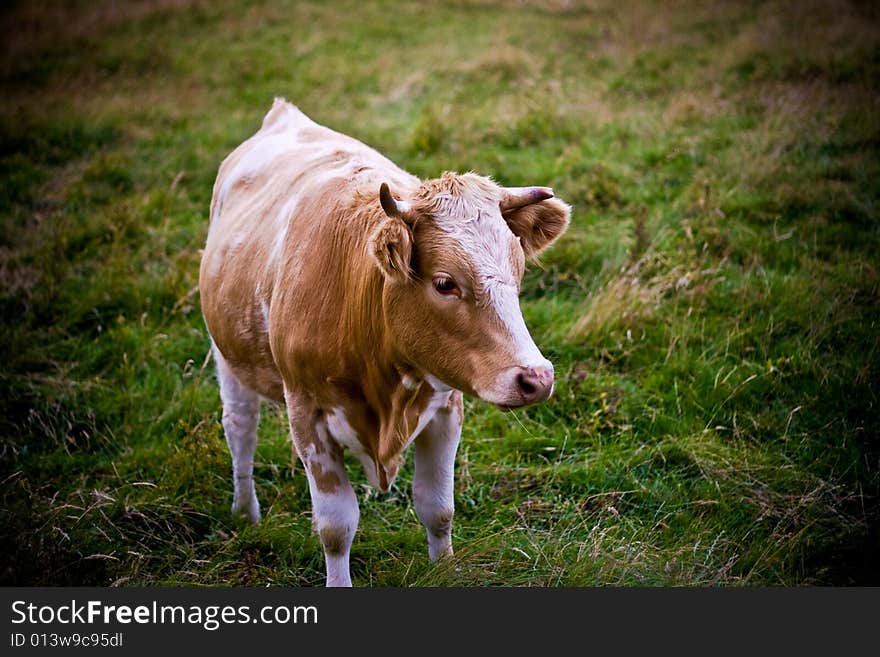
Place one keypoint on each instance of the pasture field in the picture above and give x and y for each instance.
(712, 312)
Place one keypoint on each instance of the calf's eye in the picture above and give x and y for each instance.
(446, 286)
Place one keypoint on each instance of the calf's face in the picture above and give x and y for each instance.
(453, 258)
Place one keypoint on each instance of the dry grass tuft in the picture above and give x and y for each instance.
(649, 277)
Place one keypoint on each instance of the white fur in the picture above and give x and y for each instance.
(436, 383)
(505, 302)
(282, 221)
(345, 435)
(437, 400)
(343, 170)
(340, 512)
(433, 481)
(483, 238)
(241, 415)
(270, 146)
(264, 309)
(337, 511)
(342, 431)
(236, 240)
(284, 116)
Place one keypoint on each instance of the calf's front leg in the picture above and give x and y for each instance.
(433, 481)
(335, 512)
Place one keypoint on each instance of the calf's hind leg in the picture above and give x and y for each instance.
(241, 415)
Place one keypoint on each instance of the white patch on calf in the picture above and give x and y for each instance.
(341, 430)
(282, 222)
(504, 299)
(437, 400)
(284, 116)
(436, 383)
(484, 239)
(266, 149)
(264, 309)
(342, 170)
(346, 436)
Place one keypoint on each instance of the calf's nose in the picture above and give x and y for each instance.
(535, 383)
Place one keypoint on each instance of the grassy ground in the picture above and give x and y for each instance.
(712, 312)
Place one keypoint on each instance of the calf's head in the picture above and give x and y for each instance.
(453, 257)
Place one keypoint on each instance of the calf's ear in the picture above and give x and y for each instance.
(392, 240)
(533, 215)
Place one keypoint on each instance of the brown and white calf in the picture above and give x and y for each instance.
(367, 301)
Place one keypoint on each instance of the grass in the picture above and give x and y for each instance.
(712, 311)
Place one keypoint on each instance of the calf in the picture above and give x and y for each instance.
(367, 301)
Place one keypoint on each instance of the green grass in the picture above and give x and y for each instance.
(712, 311)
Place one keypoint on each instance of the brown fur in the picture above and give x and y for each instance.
(335, 542)
(326, 482)
(391, 246)
(538, 225)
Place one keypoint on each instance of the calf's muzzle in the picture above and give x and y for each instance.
(535, 384)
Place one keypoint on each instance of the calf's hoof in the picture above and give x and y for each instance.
(248, 509)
